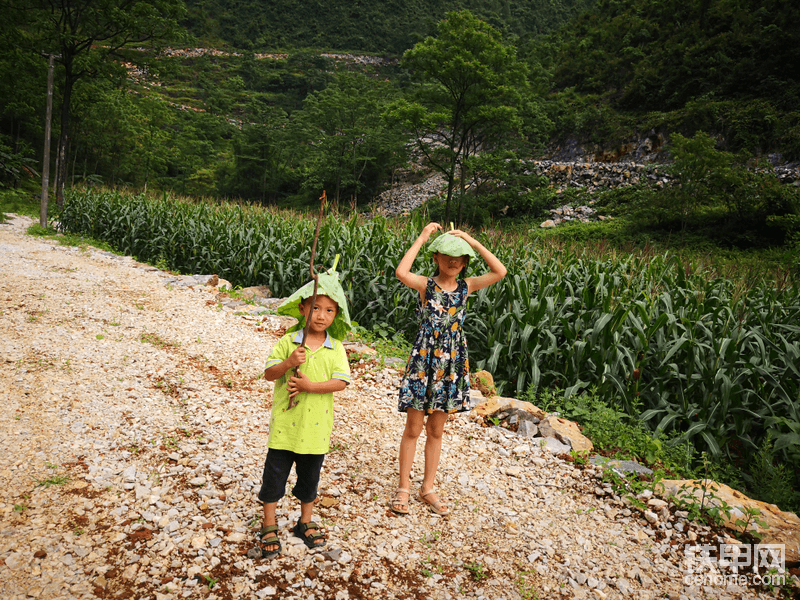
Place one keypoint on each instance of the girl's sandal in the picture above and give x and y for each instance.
(397, 505)
(268, 536)
(435, 504)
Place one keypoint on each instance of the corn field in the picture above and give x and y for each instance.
(691, 354)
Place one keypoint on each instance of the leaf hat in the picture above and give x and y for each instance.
(451, 245)
(328, 285)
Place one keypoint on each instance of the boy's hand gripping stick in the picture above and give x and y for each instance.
(310, 313)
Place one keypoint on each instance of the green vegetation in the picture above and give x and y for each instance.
(369, 27)
(699, 357)
(468, 102)
(627, 66)
(271, 120)
(616, 433)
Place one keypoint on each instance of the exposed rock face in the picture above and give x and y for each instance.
(567, 432)
(781, 527)
(484, 382)
(575, 166)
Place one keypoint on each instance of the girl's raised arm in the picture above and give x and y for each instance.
(403, 271)
(497, 269)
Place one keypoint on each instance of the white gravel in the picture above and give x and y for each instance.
(133, 430)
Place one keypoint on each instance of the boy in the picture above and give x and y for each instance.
(301, 435)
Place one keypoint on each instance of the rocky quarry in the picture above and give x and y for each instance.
(135, 425)
(574, 166)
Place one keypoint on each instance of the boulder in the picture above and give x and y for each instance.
(554, 446)
(782, 527)
(256, 291)
(566, 432)
(499, 403)
(215, 281)
(483, 382)
(626, 466)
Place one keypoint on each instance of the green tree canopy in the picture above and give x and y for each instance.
(84, 35)
(344, 134)
(469, 95)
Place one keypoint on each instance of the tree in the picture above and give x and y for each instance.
(120, 133)
(344, 134)
(469, 95)
(86, 35)
(260, 152)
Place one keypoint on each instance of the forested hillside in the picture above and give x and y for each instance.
(243, 100)
(724, 66)
(361, 26)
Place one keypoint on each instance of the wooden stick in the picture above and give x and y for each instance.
(310, 313)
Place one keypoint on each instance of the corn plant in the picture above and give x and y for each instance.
(693, 354)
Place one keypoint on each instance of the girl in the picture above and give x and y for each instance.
(436, 381)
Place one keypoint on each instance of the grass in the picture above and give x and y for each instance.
(23, 201)
(53, 480)
(615, 434)
(383, 338)
(69, 239)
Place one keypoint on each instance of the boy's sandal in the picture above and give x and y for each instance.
(312, 540)
(268, 536)
(436, 505)
(397, 505)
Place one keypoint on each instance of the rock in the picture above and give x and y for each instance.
(475, 398)
(624, 586)
(498, 403)
(549, 223)
(626, 466)
(782, 527)
(527, 429)
(130, 571)
(566, 432)
(15, 561)
(484, 382)
(258, 291)
(553, 445)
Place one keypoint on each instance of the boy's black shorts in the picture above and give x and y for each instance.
(277, 467)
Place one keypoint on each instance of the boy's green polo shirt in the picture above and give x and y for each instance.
(306, 428)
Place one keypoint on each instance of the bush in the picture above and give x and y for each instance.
(615, 432)
(771, 481)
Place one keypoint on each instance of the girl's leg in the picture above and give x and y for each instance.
(408, 444)
(434, 429)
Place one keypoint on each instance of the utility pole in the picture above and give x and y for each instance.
(46, 158)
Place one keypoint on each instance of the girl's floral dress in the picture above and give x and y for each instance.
(437, 374)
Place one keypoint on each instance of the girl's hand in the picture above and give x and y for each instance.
(296, 358)
(464, 236)
(428, 230)
(297, 384)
